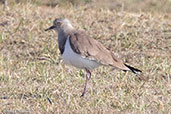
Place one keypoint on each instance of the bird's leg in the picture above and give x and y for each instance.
(88, 76)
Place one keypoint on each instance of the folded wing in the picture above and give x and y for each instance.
(90, 48)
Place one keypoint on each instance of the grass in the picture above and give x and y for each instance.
(33, 78)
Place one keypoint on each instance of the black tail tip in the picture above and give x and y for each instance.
(134, 70)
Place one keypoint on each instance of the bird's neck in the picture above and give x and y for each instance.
(65, 31)
(66, 28)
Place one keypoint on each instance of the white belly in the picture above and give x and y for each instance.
(74, 59)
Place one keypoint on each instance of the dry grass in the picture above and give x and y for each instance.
(32, 74)
(159, 6)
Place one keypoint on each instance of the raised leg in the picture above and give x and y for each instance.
(88, 76)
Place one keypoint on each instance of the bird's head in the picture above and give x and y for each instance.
(60, 24)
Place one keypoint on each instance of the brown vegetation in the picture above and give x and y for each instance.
(33, 79)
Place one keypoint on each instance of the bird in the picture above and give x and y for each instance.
(80, 50)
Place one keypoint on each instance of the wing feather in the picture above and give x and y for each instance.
(87, 47)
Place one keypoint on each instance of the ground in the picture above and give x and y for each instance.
(34, 79)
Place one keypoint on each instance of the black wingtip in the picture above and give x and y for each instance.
(134, 70)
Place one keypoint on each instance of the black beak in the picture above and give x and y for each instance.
(50, 28)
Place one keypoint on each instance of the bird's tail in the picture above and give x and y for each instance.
(134, 70)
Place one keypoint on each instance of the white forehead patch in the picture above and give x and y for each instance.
(67, 22)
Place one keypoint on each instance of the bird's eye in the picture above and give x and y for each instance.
(58, 24)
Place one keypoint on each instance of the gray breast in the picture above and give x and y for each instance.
(61, 42)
